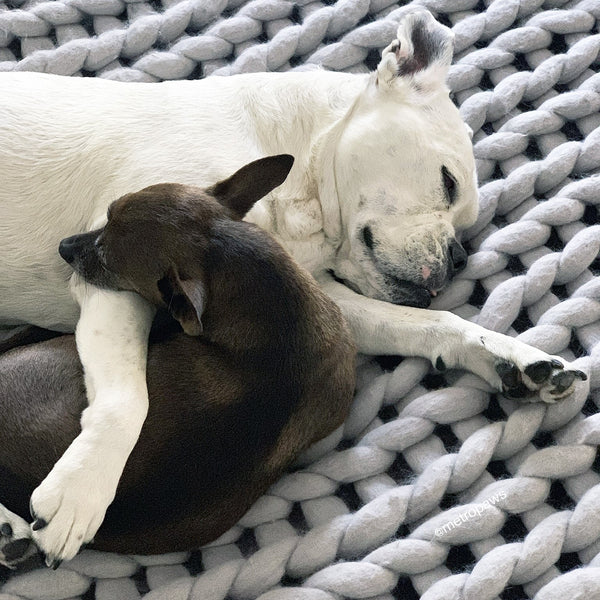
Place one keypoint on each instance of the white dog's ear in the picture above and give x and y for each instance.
(422, 51)
(250, 183)
(184, 299)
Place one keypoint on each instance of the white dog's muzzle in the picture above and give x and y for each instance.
(422, 274)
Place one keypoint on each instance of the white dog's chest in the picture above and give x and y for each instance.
(298, 226)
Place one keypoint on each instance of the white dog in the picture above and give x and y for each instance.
(382, 184)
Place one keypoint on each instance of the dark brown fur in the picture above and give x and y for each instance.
(270, 372)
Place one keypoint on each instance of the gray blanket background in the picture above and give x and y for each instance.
(438, 488)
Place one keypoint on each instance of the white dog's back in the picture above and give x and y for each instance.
(70, 146)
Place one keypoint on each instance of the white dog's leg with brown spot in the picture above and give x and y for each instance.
(112, 340)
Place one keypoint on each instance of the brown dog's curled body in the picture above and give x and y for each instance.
(268, 371)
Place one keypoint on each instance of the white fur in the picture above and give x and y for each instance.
(111, 336)
(368, 150)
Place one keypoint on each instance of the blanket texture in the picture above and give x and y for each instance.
(438, 488)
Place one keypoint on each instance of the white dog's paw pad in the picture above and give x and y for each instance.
(16, 544)
(548, 378)
(540, 371)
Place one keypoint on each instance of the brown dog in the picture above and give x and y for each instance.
(266, 369)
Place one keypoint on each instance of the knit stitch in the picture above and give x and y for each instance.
(436, 487)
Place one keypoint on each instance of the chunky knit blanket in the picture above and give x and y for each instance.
(437, 488)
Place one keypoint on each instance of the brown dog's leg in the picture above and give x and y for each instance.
(23, 335)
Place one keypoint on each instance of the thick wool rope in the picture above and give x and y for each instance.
(526, 203)
(377, 573)
(380, 518)
(232, 34)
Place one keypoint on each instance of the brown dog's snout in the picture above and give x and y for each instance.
(71, 247)
(67, 248)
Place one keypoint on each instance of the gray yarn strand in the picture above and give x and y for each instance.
(525, 77)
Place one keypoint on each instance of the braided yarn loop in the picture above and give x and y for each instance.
(436, 487)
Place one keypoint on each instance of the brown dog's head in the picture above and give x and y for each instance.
(154, 240)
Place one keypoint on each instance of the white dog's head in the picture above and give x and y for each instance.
(398, 173)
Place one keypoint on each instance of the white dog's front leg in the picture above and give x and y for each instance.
(112, 340)
(515, 368)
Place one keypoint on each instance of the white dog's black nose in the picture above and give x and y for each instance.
(458, 257)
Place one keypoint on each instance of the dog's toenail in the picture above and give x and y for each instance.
(6, 530)
(581, 375)
(440, 365)
(39, 524)
(53, 563)
(557, 364)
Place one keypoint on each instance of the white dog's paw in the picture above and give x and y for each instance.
(550, 379)
(16, 544)
(68, 508)
(516, 369)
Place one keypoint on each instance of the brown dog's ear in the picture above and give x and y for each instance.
(184, 299)
(251, 183)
